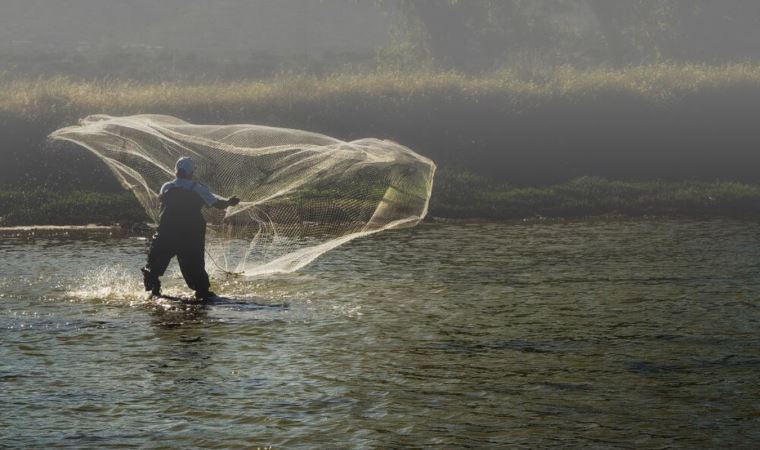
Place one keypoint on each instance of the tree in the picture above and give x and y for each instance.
(480, 34)
(447, 26)
(473, 34)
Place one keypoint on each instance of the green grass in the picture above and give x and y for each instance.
(458, 195)
(464, 195)
(41, 207)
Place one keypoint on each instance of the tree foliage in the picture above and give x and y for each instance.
(478, 34)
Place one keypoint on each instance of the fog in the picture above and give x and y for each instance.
(220, 29)
(48, 37)
(519, 93)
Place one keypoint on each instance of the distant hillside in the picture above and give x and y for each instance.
(211, 28)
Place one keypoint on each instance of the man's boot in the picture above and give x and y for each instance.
(205, 295)
(151, 283)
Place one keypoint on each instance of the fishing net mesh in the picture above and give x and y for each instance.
(302, 194)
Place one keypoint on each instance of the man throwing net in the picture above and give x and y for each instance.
(182, 231)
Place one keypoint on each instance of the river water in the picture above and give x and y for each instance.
(574, 334)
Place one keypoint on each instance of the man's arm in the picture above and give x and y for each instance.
(221, 204)
(214, 200)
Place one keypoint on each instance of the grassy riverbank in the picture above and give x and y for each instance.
(464, 195)
(42, 207)
(457, 195)
(527, 128)
(507, 144)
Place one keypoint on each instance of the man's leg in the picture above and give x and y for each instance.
(192, 263)
(159, 256)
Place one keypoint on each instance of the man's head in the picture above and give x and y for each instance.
(185, 167)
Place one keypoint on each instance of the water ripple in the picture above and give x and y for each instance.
(588, 334)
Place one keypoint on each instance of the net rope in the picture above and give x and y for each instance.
(302, 194)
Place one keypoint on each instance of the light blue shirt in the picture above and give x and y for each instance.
(209, 197)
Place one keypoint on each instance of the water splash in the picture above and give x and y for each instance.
(111, 284)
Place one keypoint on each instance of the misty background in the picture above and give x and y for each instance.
(239, 39)
(502, 94)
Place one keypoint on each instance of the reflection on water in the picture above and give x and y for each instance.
(621, 333)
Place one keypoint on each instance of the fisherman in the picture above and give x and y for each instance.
(182, 231)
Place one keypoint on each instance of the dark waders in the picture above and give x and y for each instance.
(181, 233)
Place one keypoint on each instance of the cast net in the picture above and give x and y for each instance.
(302, 194)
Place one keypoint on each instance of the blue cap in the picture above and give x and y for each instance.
(185, 164)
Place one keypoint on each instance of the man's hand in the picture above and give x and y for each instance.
(221, 204)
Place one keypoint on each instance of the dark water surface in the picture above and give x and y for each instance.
(590, 334)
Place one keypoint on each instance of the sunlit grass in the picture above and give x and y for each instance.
(66, 99)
